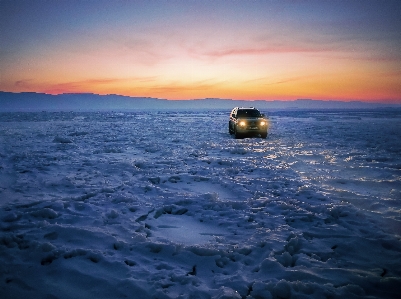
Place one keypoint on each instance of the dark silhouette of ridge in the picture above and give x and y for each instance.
(31, 101)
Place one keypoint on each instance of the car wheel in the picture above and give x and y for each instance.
(263, 135)
(229, 129)
(237, 135)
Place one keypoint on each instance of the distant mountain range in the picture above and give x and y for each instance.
(30, 101)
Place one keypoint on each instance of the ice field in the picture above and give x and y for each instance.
(166, 204)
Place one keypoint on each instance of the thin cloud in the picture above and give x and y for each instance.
(175, 87)
(289, 80)
(90, 85)
(23, 83)
(257, 51)
(269, 81)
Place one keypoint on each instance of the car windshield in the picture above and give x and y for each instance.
(248, 113)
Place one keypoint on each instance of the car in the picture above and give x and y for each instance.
(247, 121)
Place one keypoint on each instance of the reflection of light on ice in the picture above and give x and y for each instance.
(272, 156)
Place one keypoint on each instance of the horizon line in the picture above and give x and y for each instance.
(383, 101)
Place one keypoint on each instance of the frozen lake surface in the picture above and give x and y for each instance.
(169, 205)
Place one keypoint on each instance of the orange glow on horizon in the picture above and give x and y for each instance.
(260, 51)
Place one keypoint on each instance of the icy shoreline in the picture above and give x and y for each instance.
(168, 205)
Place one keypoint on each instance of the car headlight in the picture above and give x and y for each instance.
(242, 123)
(263, 123)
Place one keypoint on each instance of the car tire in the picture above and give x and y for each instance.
(229, 129)
(237, 135)
(263, 135)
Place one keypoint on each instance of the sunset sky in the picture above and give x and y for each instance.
(269, 50)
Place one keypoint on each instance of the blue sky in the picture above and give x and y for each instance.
(343, 50)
